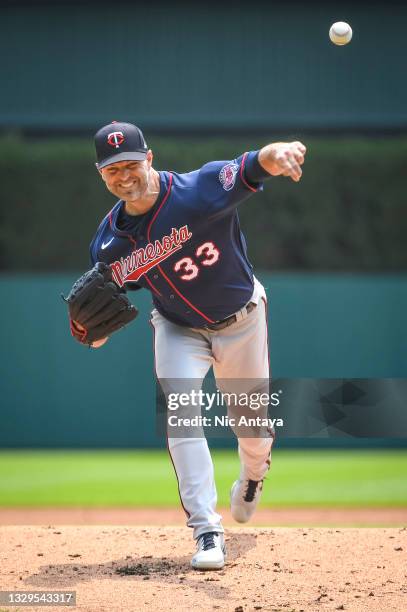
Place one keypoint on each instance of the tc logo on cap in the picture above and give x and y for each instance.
(115, 139)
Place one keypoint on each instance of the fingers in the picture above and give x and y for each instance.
(293, 160)
(299, 150)
(298, 145)
(291, 165)
(284, 158)
(299, 157)
(296, 173)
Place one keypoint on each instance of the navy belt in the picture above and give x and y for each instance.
(229, 320)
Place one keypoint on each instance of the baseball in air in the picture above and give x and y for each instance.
(340, 33)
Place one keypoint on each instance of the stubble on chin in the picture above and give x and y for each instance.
(132, 195)
(126, 195)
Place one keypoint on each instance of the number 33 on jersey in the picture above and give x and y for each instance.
(189, 268)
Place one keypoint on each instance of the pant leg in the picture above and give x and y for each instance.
(183, 353)
(242, 362)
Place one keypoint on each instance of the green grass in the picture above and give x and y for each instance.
(146, 478)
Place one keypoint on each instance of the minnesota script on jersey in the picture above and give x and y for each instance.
(188, 250)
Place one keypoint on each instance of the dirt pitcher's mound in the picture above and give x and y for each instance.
(134, 568)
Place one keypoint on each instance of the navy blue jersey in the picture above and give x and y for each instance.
(188, 249)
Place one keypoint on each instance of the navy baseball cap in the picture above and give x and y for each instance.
(119, 141)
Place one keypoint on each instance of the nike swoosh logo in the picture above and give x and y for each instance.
(104, 245)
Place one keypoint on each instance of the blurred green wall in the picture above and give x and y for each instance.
(346, 214)
(220, 65)
(55, 392)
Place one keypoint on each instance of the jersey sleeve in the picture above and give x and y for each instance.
(222, 185)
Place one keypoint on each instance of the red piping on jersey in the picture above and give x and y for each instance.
(165, 198)
(134, 243)
(242, 175)
(112, 228)
(159, 267)
(151, 285)
(184, 298)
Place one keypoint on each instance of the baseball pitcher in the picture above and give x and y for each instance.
(178, 236)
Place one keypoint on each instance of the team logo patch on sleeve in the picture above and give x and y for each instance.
(227, 176)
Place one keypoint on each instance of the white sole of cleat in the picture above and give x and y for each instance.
(209, 565)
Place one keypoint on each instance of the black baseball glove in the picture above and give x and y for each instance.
(97, 306)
